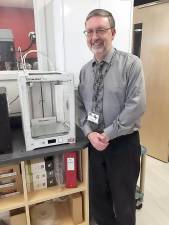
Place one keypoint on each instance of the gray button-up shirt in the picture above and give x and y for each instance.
(124, 94)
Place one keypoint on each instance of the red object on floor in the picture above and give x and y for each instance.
(70, 161)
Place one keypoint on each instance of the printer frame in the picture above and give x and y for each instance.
(25, 80)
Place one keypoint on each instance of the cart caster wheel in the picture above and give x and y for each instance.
(139, 206)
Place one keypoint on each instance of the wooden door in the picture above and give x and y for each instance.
(155, 58)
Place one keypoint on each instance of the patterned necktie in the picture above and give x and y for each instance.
(97, 100)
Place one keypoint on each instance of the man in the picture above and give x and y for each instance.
(111, 101)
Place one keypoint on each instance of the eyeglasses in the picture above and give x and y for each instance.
(99, 31)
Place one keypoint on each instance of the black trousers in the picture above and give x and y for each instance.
(113, 175)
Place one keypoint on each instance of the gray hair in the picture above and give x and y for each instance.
(103, 13)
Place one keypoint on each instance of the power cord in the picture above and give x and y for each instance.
(36, 51)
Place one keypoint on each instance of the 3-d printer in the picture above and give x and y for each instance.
(48, 108)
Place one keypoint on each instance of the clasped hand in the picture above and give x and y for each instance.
(99, 141)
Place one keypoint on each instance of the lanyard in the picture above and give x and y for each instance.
(108, 67)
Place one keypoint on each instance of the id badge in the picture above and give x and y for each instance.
(93, 117)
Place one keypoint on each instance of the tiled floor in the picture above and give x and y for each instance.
(155, 209)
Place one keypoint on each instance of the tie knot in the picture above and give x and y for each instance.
(99, 65)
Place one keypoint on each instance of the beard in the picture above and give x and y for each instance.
(99, 52)
(98, 48)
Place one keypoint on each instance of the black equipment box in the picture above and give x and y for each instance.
(5, 130)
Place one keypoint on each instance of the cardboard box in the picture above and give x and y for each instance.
(7, 187)
(8, 171)
(76, 209)
(37, 165)
(39, 176)
(7, 180)
(36, 177)
(40, 184)
(11, 174)
(19, 219)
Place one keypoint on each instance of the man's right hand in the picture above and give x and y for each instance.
(98, 141)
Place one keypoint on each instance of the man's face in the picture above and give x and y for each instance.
(99, 40)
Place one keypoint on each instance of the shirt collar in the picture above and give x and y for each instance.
(107, 59)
